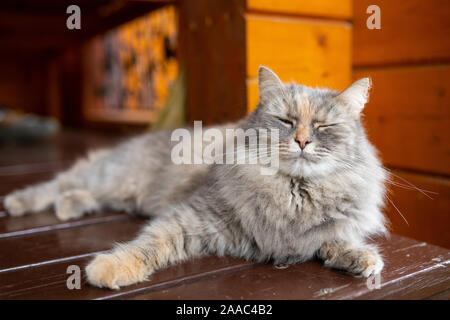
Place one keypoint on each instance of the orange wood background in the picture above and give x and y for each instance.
(305, 41)
(408, 116)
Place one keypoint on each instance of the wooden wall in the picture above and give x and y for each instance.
(306, 41)
(408, 116)
(212, 48)
(40, 56)
(22, 85)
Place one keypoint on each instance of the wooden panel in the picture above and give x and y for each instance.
(213, 51)
(252, 94)
(14, 182)
(321, 8)
(411, 31)
(17, 78)
(408, 116)
(24, 251)
(428, 219)
(44, 26)
(412, 271)
(311, 52)
(142, 116)
(45, 221)
(59, 151)
(49, 281)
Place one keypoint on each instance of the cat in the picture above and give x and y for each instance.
(324, 200)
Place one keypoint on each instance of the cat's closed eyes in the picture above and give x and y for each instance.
(323, 200)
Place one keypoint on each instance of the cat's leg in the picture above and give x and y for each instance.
(67, 190)
(68, 204)
(63, 193)
(361, 260)
(75, 203)
(32, 199)
(166, 240)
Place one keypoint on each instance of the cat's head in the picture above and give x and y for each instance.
(319, 129)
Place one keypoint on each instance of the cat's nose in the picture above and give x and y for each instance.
(302, 142)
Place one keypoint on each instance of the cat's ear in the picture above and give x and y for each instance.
(356, 96)
(270, 86)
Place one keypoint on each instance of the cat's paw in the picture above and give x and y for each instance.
(14, 205)
(371, 264)
(73, 204)
(363, 262)
(113, 271)
(360, 263)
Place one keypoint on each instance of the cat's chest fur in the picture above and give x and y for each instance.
(306, 204)
(311, 203)
(285, 212)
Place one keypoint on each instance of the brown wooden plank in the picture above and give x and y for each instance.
(46, 221)
(16, 182)
(441, 296)
(215, 80)
(25, 165)
(66, 146)
(318, 8)
(411, 31)
(428, 218)
(20, 170)
(36, 158)
(412, 270)
(310, 52)
(141, 116)
(408, 116)
(53, 246)
(49, 281)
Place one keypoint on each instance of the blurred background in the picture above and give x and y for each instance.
(147, 64)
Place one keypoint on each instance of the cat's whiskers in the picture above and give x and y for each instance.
(388, 173)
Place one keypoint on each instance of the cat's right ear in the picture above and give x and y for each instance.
(356, 96)
(270, 86)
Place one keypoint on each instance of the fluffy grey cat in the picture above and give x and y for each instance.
(324, 200)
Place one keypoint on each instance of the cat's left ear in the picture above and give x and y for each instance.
(356, 96)
(270, 86)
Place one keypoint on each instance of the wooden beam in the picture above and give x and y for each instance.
(318, 8)
(35, 33)
(213, 51)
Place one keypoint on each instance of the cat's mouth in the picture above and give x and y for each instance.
(302, 156)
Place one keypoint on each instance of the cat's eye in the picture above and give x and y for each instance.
(323, 126)
(286, 122)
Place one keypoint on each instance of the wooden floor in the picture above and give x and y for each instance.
(36, 250)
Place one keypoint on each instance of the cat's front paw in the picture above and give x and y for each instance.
(360, 263)
(73, 204)
(113, 270)
(14, 205)
(371, 264)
